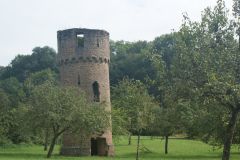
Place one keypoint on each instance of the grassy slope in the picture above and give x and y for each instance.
(178, 150)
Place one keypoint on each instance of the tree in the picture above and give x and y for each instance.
(164, 86)
(36, 79)
(4, 119)
(1, 70)
(13, 89)
(166, 123)
(132, 96)
(64, 110)
(208, 60)
(119, 122)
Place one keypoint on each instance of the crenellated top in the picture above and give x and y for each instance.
(92, 59)
(71, 31)
(83, 42)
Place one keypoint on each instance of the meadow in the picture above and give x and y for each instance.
(151, 149)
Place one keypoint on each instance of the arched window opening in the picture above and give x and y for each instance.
(79, 82)
(96, 93)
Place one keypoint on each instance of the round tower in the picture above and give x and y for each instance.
(83, 57)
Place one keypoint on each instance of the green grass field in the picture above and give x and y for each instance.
(179, 149)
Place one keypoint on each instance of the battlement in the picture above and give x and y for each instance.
(81, 59)
(67, 32)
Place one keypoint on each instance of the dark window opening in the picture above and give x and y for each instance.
(96, 93)
(79, 80)
(80, 40)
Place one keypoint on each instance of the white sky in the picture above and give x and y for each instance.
(25, 24)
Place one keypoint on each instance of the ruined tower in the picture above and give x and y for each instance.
(83, 57)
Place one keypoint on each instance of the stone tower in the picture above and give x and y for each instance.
(83, 57)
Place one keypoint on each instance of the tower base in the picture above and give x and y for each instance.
(87, 146)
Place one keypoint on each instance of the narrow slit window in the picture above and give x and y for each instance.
(79, 82)
(80, 40)
(98, 43)
(96, 93)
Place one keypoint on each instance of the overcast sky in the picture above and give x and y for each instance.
(25, 24)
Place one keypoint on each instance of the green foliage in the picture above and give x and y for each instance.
(165, 86)
(213, 59)
(209, 59)
(4, 121)
(14, 89)
(64, 109)
(119, 122)
(165, 122)
(12, 95)
(23, 65)
(130, 60)
(1, 70)
(132, 97)
(39, 78)
(164, 46)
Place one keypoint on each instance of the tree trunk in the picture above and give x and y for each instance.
(229, 135)
(52, 146)
(130, 139)
(46, 140)
(138, 142)
(239, 40)
(166, 144)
